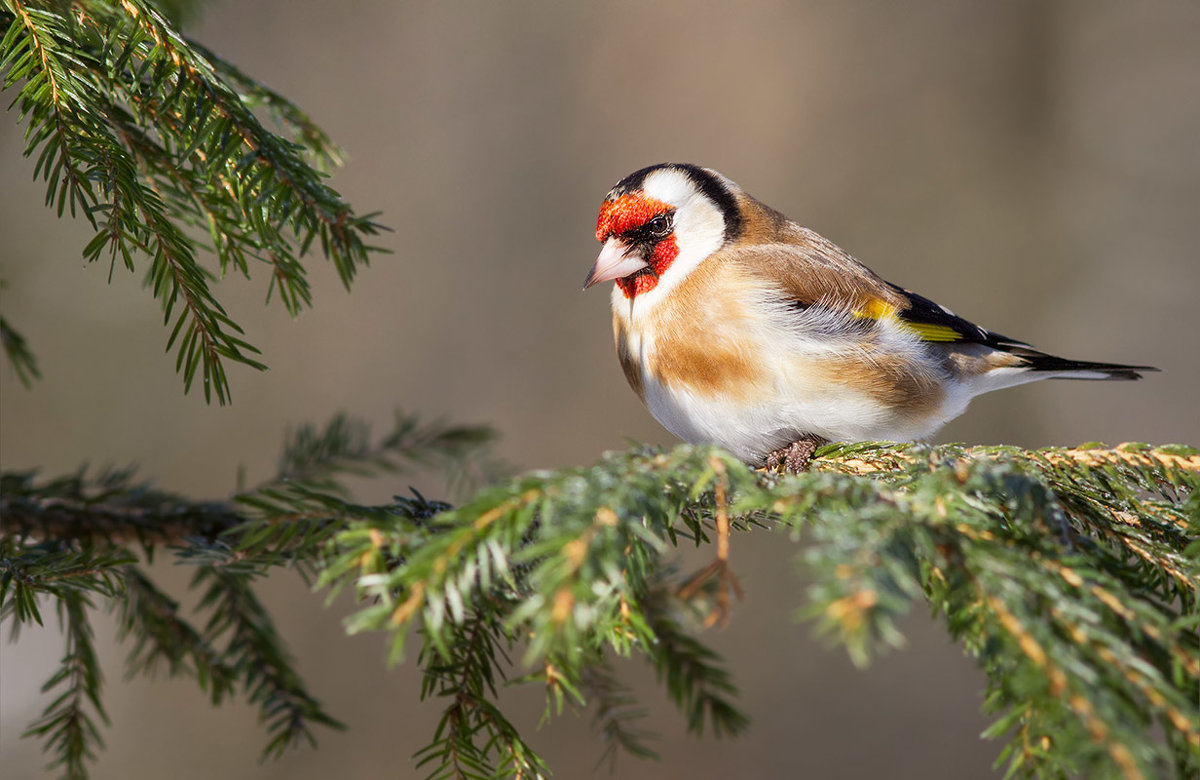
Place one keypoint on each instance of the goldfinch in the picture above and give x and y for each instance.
(739, 327)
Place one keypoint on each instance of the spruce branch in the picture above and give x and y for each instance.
(68, 723)
(113, 506)
(255, 651)
(616, 717)
(1071, 575)
(473, 738)
(1086, 643)
(20, 357)
(154, 140)
(572, 561)
(695, 680)
(151, 622)
(322, 455)
(55, 570)
(84, 535)
(109, 507)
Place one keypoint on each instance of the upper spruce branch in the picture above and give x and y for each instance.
(155, 142)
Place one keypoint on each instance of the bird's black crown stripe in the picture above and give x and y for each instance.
(705, 181)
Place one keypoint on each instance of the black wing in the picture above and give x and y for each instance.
(935, 322)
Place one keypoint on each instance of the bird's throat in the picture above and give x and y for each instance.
(660, 260)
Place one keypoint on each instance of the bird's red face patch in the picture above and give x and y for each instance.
(660, 259)
(628, 213)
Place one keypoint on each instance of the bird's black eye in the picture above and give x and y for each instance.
(660, 226)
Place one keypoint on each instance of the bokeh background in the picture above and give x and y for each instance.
(1034, 165)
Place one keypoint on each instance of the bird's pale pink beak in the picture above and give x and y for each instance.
(617, 260)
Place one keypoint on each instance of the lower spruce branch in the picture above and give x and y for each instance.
(473, 736)
(151, 622)
(68, 725)
(255, 655)
(1072, 576)
(616, 718)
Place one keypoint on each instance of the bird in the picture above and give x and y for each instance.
(739, 327)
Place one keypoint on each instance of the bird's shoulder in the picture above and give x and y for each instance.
(806, 268)
(811, 272)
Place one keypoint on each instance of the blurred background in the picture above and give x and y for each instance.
(1033, 165)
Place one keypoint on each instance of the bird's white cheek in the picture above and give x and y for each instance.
(699, 231)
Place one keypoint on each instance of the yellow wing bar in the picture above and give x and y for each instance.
(878, 309)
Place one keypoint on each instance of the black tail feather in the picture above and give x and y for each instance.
(1040, 361)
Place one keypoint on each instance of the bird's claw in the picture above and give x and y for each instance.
(794, 458)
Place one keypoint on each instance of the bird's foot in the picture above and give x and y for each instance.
(794, 458)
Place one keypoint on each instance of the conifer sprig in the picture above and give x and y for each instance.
(1071, 575)
(154, 140)
(20, 356)
(255, 650)
(83, 535)
(68, 724)
(1085, 644)
(158, 632)
(617, 717)
(473, 738)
